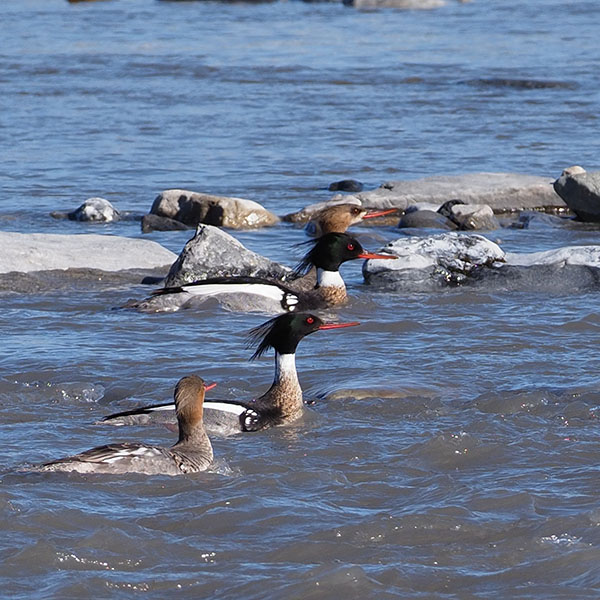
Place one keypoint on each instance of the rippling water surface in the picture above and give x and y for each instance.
(452, 447)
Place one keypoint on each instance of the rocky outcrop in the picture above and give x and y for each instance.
(581, 192)
(454, 259)
(214, 253)
(93, 209)
(429, 262)
(41, 252)
(503, 192)
(193, 208)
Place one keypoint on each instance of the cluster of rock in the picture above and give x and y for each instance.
(456, 202)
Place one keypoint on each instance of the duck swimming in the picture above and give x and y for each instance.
(192, 453)
(281, 404)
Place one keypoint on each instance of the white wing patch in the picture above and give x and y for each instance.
(272, 292)
(236, 409)
(159, 408)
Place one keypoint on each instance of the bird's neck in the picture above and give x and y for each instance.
(285, 393)
(329, 279)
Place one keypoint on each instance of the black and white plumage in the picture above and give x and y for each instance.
(327, 254)
(192, 452)
(280, 404)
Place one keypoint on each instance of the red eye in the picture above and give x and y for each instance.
(350, 246)
(310, 320)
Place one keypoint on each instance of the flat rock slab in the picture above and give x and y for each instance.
(503, 192)
(193, 208)
(581, 192)
(24, 252)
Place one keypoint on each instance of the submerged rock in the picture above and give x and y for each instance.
(40, 252)
(156, 223)
(193, 208)
(402, 4)
(346, 185)
(93, 209)
(581, 192)
(214, 253)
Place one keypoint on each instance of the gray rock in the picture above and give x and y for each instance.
(93, 209)
(417, 218)
(430, 262)
(503, 192)
(193, 208)
(451, 259)
(214, 253)
(156, 223)
(475, 217)
(581, 192)
(40, 252)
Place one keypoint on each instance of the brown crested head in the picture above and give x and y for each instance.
(337, 218)
(189, 400)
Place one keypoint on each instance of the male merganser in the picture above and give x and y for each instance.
(192, 453)
(327, 254)
(279, 405)
(338, 217)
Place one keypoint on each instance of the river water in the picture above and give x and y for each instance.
(452, 447)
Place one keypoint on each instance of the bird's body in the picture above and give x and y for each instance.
(192, 452)
(281, 404)
(328, 253)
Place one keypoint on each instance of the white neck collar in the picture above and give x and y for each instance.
(329, 279)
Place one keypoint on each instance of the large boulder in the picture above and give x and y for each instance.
(193, 208)
(27, 252)
(429, 262)
(581, 192)
(214, 253)
(503, 192)
(453, 259)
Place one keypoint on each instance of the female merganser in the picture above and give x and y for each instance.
(326, 255)
(338, 217)
(192, 453)
(281, 404)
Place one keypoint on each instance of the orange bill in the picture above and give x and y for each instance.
(372, 255)
(338, 325)
(379, 213)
